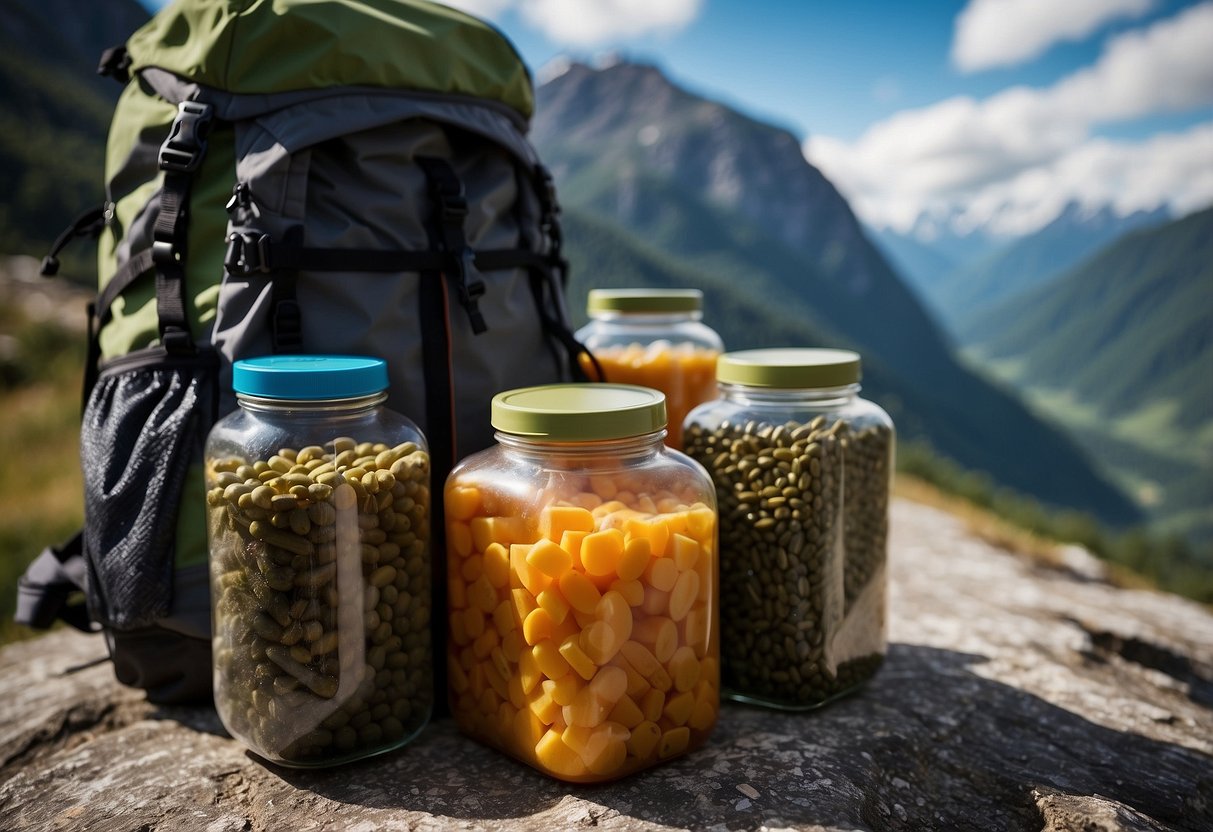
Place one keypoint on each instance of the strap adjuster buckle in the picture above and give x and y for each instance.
(247, 252)
(185, 146)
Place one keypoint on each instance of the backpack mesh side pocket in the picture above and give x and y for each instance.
(145, 422)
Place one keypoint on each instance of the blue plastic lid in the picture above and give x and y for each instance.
(309, 376)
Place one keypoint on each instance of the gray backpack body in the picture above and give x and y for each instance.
(394, 219)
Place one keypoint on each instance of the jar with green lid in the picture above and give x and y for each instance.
(654, 338)
(802, 466)
(318, 502)
(582, 585)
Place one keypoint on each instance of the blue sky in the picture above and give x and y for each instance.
(977, 113)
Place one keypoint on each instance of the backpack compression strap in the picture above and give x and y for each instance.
(180, 156)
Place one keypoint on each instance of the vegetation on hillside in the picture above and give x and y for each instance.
(1120, 350)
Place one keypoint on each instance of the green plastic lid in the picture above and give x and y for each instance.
(309, 377)
(579, 412)
(644, 300)
(789, 368)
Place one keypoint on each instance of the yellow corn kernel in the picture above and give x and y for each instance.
(557, 758)
(459, 629)
(654, 530)
(678, 708)
(485, 643)
(701, 522)
(497, 681)
(467, 658)
(473, 620)
(544, 707)
(527, 730)
(609, 684)
(489, 702)
(457, 593)
(532, 579)
(603, 485)
(656, 602)
(554, 521)
(528, 671)
(608, 508)
(695, 630)
(632, 591)
(553, 602)
(686, 552)
(579, 592)
(470, 568)
(683, 595)
(637, 684)
(643, 740)
(709, 672)
(564, 629)
(605, 758)
(636, 556)
(549, 558)
(496, 565)
(684, 668)
(477, 684)
(511, 645)
(503, 618)
(639, 656)
(458, 538)
(586, 500)
(524, 602)
(601, 551)
(550, 662)
(673, 742)
(614, 611)
(626, 712)
(644, 503)
(577, 737)
(570, 541)
(566, 688)
(497, 657)
(482, 532)
(598, 642)
(504, 722)
(585, 619)
(537, 626)
(652, 704)
(661, 574)
(703, 716)
(482, 595)
(659, 634)
(570, 648)
(586, 710)
(514, 689)
(462, 503)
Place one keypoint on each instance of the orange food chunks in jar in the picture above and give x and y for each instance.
(582, 630)
(685, 373)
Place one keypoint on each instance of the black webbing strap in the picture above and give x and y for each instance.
(180, 156)
(452, 209)
(544, 276)
(116, 63)
(286, 319)
(88, 224)
(436, 359)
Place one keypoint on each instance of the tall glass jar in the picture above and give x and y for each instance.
(582, 585)
(802, 467)
(318, 523)
(655, 338)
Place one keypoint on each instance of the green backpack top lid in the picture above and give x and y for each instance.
(267, 46)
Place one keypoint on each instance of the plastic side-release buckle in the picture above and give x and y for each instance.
(185, 146)
(247, 252)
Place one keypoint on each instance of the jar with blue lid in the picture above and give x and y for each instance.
(318, 506)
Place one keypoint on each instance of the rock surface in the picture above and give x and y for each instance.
(1014, 697)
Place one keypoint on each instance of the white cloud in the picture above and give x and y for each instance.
(991, 33)
(949, 156)
(584, 23)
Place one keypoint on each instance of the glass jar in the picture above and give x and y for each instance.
(582, 585)
(318, 502)
(802, 467)
(655, 338)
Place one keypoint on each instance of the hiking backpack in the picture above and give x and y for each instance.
(346, 177)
